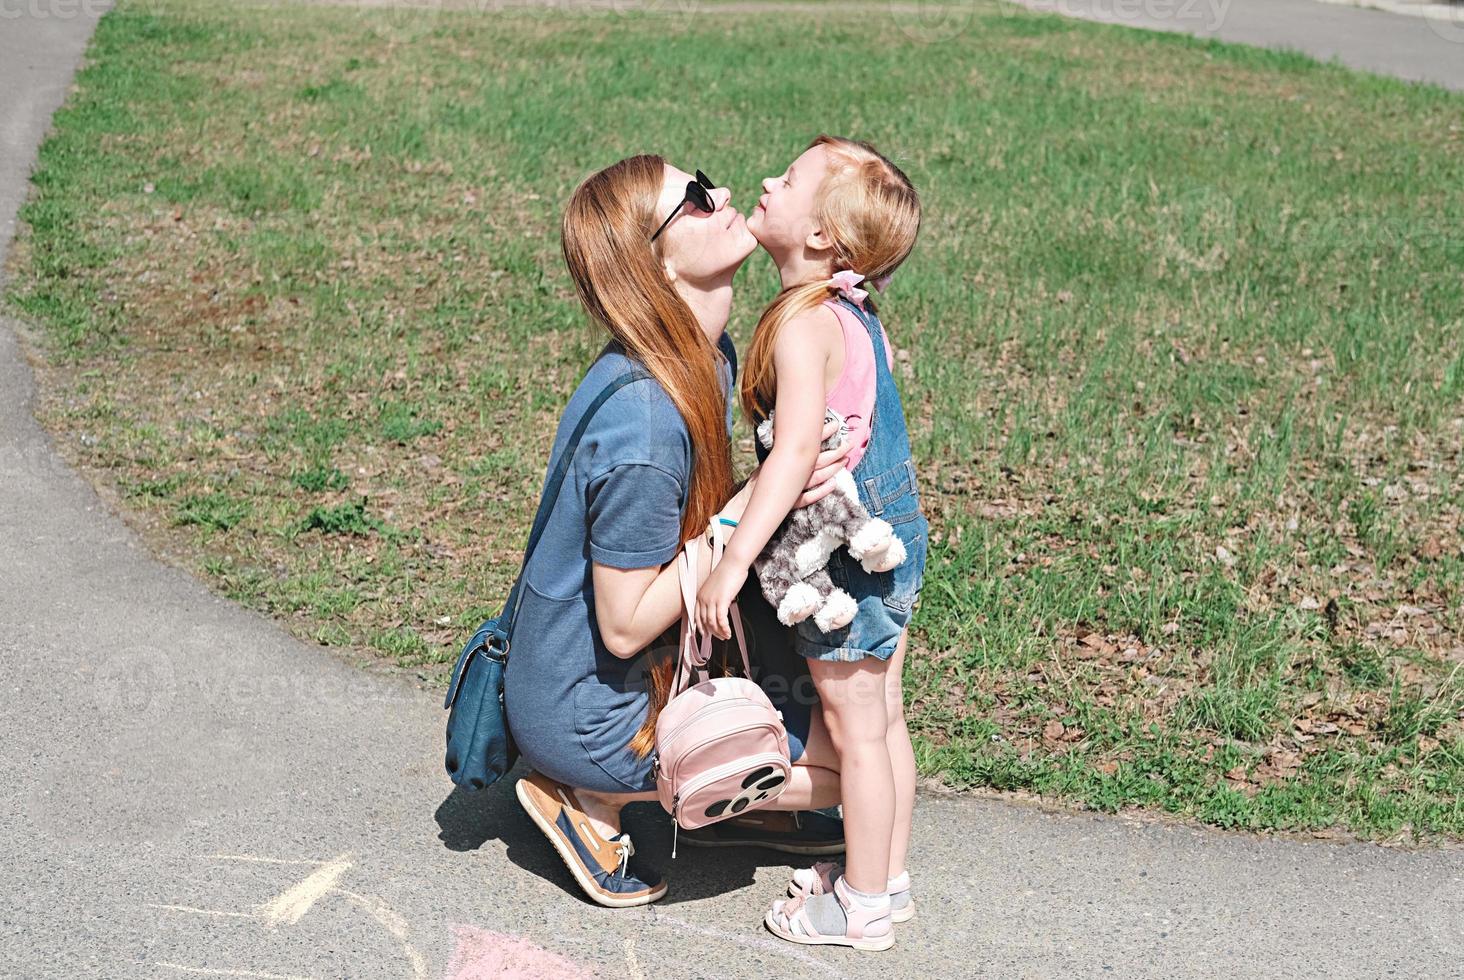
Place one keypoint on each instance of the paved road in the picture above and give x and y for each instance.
(187, 791)
(1415, 48)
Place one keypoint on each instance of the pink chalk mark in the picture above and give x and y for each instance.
(483, 955)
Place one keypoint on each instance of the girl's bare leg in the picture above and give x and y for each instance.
(852, 694)
(809, 788)
(902, 760)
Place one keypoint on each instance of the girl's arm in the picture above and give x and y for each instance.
(634, 606)
(830, 464)
(800, 358)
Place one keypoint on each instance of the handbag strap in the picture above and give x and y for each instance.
(556, 480)
(694, 656)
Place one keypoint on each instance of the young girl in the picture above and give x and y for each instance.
(842, 214)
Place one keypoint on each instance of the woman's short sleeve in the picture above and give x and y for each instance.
(634, 516)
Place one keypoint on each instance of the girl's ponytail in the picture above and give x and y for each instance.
(759, 380)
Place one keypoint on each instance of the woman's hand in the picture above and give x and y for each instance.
(820, 482)
(715, 598)
(830, 463)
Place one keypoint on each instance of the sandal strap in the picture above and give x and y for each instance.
(795, 916)
(819, 879)
(857, 918)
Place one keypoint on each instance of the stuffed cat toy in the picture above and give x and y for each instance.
(792, 567)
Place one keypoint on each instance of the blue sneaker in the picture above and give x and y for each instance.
(601, 867)
(789, 831)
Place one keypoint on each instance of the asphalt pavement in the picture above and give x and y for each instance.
(185, 790)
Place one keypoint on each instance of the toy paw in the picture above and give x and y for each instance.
(798, 604)
(875, 535)
(837, 611)
(892, 555)
(876, 546)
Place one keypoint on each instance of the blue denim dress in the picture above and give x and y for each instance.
(885, 478)
(573, 706)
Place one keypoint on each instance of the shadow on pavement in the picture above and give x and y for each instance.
(492, 818)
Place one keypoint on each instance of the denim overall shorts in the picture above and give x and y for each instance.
(885, 478)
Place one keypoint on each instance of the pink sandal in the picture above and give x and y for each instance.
(819, 880)
(863, 928)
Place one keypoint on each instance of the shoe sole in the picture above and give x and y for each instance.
(571, 861)
(807, 850)
(896, 915)
(876, 945)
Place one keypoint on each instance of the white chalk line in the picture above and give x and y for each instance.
(189, 908)
(781, 947)
(631, 963)
(392, 923)
(290, 906)
(231, 973)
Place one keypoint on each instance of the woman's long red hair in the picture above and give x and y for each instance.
(618, 275)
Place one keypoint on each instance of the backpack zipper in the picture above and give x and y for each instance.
(735, 731)
(710, 776)
(702, 714)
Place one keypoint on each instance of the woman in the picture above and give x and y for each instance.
(652, 252)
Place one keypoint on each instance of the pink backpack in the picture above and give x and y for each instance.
(721, 748)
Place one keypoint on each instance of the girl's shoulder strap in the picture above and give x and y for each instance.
(872, 326)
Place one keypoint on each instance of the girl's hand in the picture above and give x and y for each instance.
(715, 598)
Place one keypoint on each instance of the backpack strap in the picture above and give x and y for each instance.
(556, 480)
(872, 326)
(694, 656)
(734, 613)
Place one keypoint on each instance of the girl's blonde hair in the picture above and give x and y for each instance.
(618, 275)
(870, 212)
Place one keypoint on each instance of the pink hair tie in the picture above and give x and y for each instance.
(846, 282)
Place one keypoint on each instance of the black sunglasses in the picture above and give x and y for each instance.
(696, 193)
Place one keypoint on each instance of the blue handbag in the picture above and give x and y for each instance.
(480, 748)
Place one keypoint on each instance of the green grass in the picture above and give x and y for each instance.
(1183, 338)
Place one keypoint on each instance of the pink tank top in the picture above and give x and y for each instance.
(852, 395)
